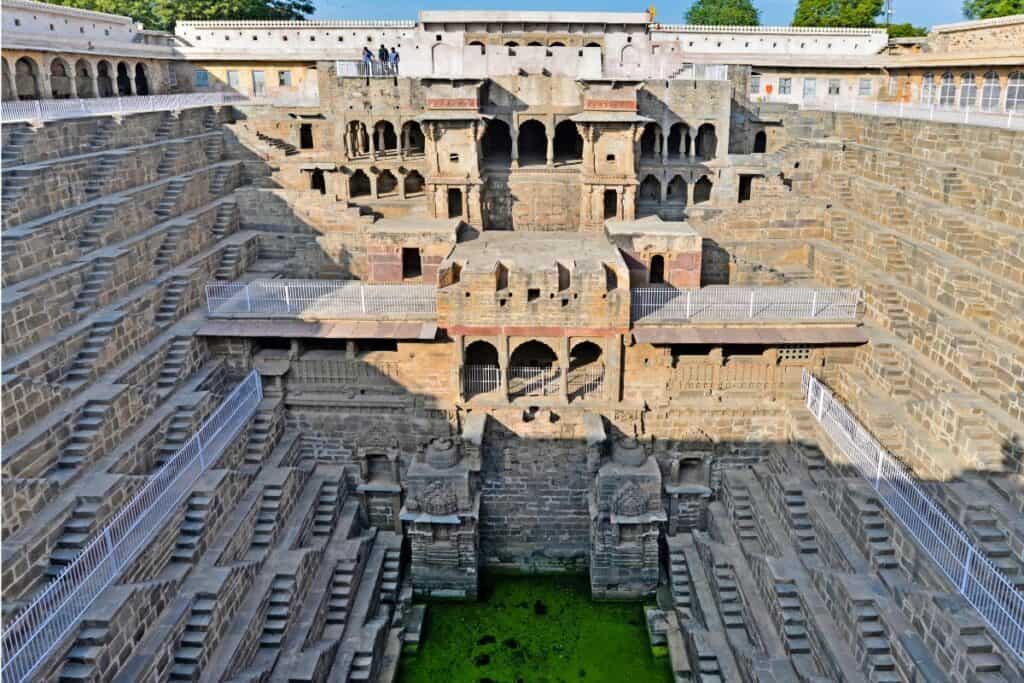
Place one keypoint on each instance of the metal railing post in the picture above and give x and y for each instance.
(750, 314)
(248, 301)
(967, 568)
(110, 546)
(814, 304)
(362, 297)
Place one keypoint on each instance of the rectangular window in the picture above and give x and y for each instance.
(755, 84)
(864, 87)
(234, 80)
(785, 86)
(892, 86)
(284, 78)
(810, 88)
(833, 86)
(202, 78)
(172, 77)
(259, 83)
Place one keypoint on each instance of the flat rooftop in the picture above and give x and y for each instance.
(534, 251)
(652, 225)
(416, 225)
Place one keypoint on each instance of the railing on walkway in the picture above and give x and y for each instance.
(53, 110)
(374, 69)
(1000, 604)
(480, 379)
(736, 304)
(586, 381)
(976, 115)
(526, 380)
(318, 298)
(39, 628)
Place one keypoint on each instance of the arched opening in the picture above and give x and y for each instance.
(650, 141)
(676, 190)
(586, 371)
(678, 139)
(629, 56)
(104, 82)
(359, 184)
(477, 43)
(306, 135)
(141, 80)
(557, 43)
(412, 138)
(83, 79)
(358, 139)
(60, 80)
(481, 372)
(454, 202)
(707, 141)
(657, 270)
(26, 79)
(497, 143)
(760, 142)
(511, 43)
(650, 190)
(947, 90)
(968, 90)
(533, 370)
(8, 83)
(533, 143)
(387, 184)
(535, 43)
(1015, 92)
(317, 182)
(568, 144)
(611, 204)
(413, 184)
(990, 92)
(702, 190)
(928, 88)
(385, 139)
(592, 45)
(124, 81)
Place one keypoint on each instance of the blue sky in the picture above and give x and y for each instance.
(774, 12)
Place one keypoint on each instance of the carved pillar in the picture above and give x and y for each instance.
(629, 203)
(373, 143)
(550, 158)
(401, 185)
(401, 141)
(689, 193)
(459, 344)
(373, 185)
(515, 148)
(564, 378)
(664, 142)
(612, 372)
(664, 187)
(503, 358)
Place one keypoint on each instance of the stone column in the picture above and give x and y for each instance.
(503, 358)
(373, 185)
(563, 358)
(459, 342)
(373, 143)
(629, 204)
(45, 87)
(515, 148)
(350, 349)
(664, 143)
(551, 151)
(664, 187)
(401, 141)
(689, 193)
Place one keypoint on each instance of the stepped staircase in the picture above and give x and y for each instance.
(214, 149)
(169, 161)
(74, 537)
(879, 662)
(743, 516)
(218, 179)
(326, 510)
(167, 313)
(101, 137)
(362, 666)
(794, 625)
(106, 167)
(189, 653)
(169, 202)
(82, 366)
(259, 437)
(210, 119)
(174, 362)
(80, 663)
(340, 601)
(879, 549)
(190, 533)
(892, 374)
(225, 220)
(79, 445)
(282, 589)
(18, 135)
(228, 262)
(391, 576)
(166, 127)
(266, 518)
(730, 606)
(799, 520)
(179, 430)
(93, 285)
(895, 264)
(169, 247)
(92, 234)
(679, 581)
(14, 184)
(994, 543)
(280, 145)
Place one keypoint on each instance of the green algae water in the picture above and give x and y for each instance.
(534, 629)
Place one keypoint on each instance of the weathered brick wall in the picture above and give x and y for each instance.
(532, 200)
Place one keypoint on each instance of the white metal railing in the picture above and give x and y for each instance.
(984, 586)
(585, 381)
(39, 628)
(480, 379)
(976, 115)
(527, 380)
(52, 110)
(374, 69)
(318, 298)
(734, 304)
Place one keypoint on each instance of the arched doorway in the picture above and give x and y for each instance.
(26, 79)
(413, 184)
(568, 144)
(359, 184)
(650, 141)
(83, 79)
(707, 142)
(385, 140)
(496, 145)
(533, 370)
(412, 138)
(481, 372)
(760, 142)
(477, 43)
(317, 182)
(387, 184)
(124, 81)
(533, 143)
(702, 190)
(60, 80)
(586, 371)
(141, 80)
(676, 190)
(678, 139)
(649, 196)
(104, 80)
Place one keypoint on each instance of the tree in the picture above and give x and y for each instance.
(837, 13)
(161, 15)
(989, 9)
(723, 13)
(907, 30)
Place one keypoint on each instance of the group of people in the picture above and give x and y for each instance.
(388, 60)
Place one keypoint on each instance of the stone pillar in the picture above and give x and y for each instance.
(45, 86)
(373, 185)
(401, 141)
(664, 187)
(613, 368)
(664, 143)
(689, 193)
(373, 143)
(350, 349)
(563, 359)
(515, 148)
(459, 343)
(503, 358)
(629, 203)
(401, 184)
(551, 151)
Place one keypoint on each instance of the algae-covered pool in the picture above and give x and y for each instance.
(534, 629)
